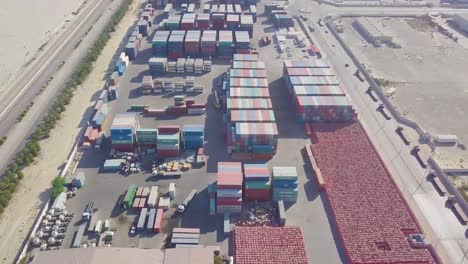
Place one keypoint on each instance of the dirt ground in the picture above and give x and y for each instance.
(428, 73)
(33, 190)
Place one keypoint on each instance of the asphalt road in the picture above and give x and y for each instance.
(28, 86)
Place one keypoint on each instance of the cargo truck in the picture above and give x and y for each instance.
(93, 221)
(181, 208)
(78, 236)
(89, 209)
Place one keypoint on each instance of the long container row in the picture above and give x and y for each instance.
(257, 182)
(195, 43)
(229, 187)
(250, 123)
(316, 92)
(218, 21)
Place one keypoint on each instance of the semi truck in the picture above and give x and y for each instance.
(181, 208)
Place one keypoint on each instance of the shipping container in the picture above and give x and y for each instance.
(236, 92)
(248, 65)
(249, 103)
(309, 63)
(245, 57)
(142, 219)
(246, 73)
(129, 196)
(151, 218)
(251, 116)
(153, 197)
(318, 90)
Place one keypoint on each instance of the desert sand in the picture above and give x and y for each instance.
(25, 205)
(26, 26)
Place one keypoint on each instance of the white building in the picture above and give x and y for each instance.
(373, 32)
(462, 21)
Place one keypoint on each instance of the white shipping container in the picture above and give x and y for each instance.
(172, 190)
(142, 218)
(98, 227)
(196, 111)
(229, 193)
(153, 197)
(164, 203)
(446, 139)
(151, 218)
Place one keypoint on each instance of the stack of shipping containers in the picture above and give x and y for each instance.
(246, 23)
(229, 189)
(316, 92)
(122, 131)
(208, 42)
(232, 22)
(147, 137)
(257, 182)
(242, 42)
(173, 22)
(285, 184)
(225, 44)
(203, 21)
(193, 136)
(168, 141)
(188, 21)
(157, 66)
(251, 127)
(192, 43)
(218, 21)
(175, 48)
(159, 43)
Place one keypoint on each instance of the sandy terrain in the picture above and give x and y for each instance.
(429, 77)
(25, 33)
(25, 205)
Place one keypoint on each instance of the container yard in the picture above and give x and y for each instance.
(205, 140)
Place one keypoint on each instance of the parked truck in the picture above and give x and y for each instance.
(88, 211)
(93, 221)
(181, 208)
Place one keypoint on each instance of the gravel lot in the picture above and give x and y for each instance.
(428, 73)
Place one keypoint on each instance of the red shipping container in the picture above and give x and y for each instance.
(142, 203)
(136, 203)
(228, 201)
(168, 129)
(123, 147)
(88, 132)
(158, 220)
(139, 192)
(164, 153)
(199, 106)
(93, 136)
(189, 102)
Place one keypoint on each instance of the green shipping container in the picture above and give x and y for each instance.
(129, 196)
(257, 185)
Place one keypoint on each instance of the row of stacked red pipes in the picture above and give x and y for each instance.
(372, 217)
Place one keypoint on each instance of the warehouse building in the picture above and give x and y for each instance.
(462, 21)
(372, 32)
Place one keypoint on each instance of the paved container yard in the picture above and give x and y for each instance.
(309, 212)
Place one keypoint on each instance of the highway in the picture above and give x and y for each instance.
(49, 64)
(441, 226)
